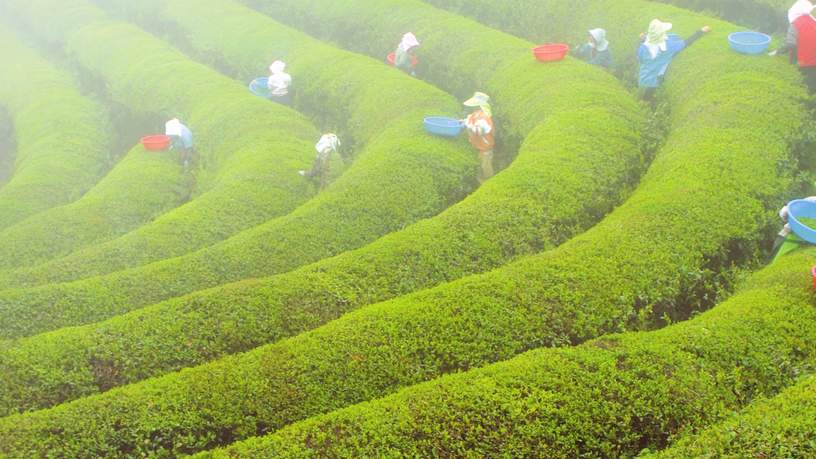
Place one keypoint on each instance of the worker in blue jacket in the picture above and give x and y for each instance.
(656, 52)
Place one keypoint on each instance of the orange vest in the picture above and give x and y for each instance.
(481, 142)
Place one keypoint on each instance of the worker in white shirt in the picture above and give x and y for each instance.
(182, 138)
(328, 144)
(279, 83)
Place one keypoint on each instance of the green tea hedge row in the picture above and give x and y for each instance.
(108, 210)
(782, 427)
(244, 179)
(401, 175)
(105, 211)
(62, 138)
(699, 210)
(533, 205)
(570, 171)
(764, 15)
(611, 397)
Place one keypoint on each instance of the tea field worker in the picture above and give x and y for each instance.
(279, 83)
(656, 53)
(596, 50)
(182, 139)
(404, 55)
(328, 144)
(800, 41)
(786, 241)
(479, 125)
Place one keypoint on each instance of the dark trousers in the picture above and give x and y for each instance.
(319, 173)
(283, 100)
(810, 78)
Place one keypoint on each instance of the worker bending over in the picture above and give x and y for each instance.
(279, 83)
(656, 52)
(596, 50)
(182, 140)
(479, 125)
(328, 144)
(404, 56)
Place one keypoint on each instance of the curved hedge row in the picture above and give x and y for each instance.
(781, 427)
(401, 176)
(656, 254)
(106, 211)
(536, 201)
(765, 15)
(611, 397)
(243, 180)
(61, 137)
(571, 170)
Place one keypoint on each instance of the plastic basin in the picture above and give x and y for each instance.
(156, 142)
(749, 42)
(442, 126)
(260, 87)
(392, 59)
(798, 210)
(550, 52)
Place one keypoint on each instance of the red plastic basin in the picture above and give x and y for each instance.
(550, 52)
(392, 59)
(156, 142)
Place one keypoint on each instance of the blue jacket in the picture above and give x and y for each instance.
(652, 69)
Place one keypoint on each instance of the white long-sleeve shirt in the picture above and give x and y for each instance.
(279, 84)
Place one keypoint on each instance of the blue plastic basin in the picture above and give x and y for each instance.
(260, 87)
(445, 127)
(802, 209)
(749, 42)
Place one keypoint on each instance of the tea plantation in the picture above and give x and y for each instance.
(611, 291)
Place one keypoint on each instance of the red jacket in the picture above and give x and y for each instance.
(806, 46)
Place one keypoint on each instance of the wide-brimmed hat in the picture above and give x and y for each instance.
(277, 67)
(658, 32)
(799, 9)
(599, 35)
(479, 99)
(409, 40)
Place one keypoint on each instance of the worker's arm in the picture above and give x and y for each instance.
(791, 40)
(696, 35)
(482, 127)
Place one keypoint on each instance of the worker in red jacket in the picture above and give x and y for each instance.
(801, 39)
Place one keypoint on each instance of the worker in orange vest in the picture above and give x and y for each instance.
(479, 125)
